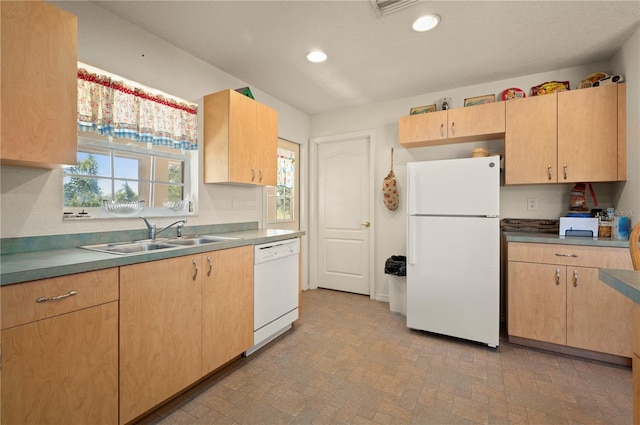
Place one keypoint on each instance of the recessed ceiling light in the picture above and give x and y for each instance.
(425, 23)
(317, 56)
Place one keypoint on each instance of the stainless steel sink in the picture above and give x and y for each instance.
(199, 240)
(143, 246)
(129, 248)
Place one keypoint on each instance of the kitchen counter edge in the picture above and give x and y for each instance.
(549, 238)
(627, 282)
(29, 266)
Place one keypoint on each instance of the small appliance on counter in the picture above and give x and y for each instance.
(579, 226)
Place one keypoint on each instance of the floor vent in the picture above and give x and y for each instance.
(384, 7)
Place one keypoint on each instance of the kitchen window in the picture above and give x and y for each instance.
(282, 200)
(120, 170)
(136, 146)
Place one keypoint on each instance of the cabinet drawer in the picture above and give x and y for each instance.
(570, 255)
(20, 303)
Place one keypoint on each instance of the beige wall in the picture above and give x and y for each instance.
(31, 200)
(390, 226)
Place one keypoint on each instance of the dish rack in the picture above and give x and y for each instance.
(123, 209)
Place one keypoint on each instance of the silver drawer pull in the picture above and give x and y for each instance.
(195, 264)
(58, 297)
(567, 255)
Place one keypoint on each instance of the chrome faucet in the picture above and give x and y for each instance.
(153, 232)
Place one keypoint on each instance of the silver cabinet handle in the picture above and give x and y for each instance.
(210, 265)
(195, 263)
(260, 174)
(566, 255)
(441, 130)
(575, 278)
(253, 174)
(57, 297)
(549, 172)
(565, 171)
(453, 128)
(558, 276)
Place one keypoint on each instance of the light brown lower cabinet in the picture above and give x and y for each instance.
(227, 306)
(555, 296)
(180, 319)
(60, 356)
(160, 322)
(636, 364)
(636, 388)
(177, 321)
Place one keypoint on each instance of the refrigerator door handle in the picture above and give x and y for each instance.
(411, 254)
(410, 189)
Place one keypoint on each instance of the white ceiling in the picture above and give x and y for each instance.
(374, 59)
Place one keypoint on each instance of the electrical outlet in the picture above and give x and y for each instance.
(532, 204)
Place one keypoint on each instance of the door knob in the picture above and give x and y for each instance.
(366, 224)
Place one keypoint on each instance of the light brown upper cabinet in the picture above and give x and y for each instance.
(240, 140)
(588, 139)
(39, 85)
(568, 137)
(473, 123)
(531, 140)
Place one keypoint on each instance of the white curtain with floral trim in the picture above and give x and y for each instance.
(113, 108)
(286, 167)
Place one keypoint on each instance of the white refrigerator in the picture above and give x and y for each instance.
(453, 252)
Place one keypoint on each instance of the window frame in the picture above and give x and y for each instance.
(294, 193)
(90, 141)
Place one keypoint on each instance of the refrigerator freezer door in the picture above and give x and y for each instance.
(453, 277)
(469, 186)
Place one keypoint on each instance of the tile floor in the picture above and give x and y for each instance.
(348, 360)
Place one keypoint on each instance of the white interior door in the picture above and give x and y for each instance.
(343, 213)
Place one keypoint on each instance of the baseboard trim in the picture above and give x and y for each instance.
(571, 351)
(381, 297)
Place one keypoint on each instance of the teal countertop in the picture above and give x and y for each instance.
(33, 265)
(564, 240)
(627, 282)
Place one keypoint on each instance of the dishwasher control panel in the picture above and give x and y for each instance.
(274, 250)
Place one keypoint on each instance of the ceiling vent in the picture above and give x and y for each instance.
(384, 7)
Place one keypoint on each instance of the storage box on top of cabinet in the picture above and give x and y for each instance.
(39, 85)
(240, 140)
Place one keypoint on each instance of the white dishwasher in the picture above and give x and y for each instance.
(275, 290)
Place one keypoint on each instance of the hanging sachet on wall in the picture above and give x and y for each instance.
(390, 189)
